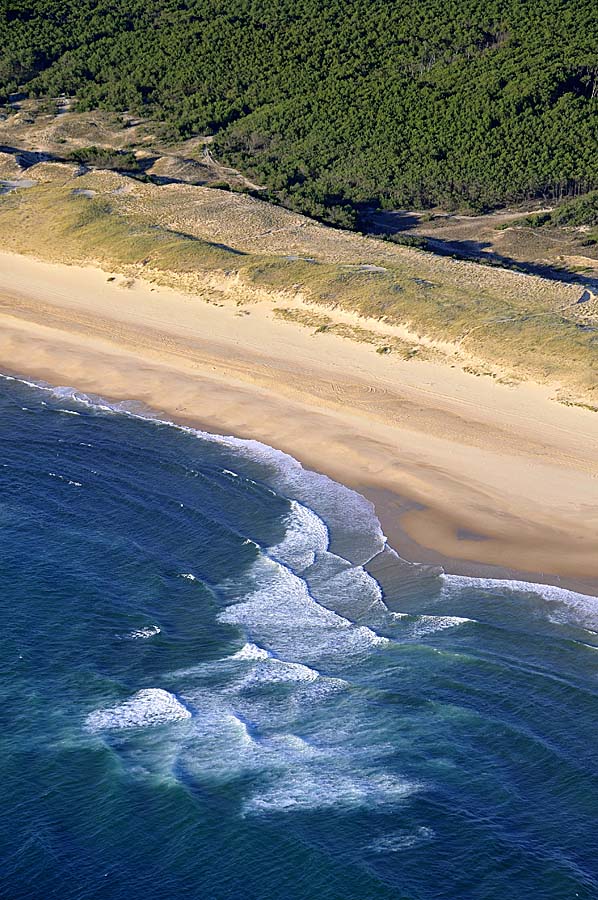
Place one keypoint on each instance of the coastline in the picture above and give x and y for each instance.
(417, 438)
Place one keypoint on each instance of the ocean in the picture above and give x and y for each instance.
(218, 681)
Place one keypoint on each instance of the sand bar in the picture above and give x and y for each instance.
(468, 469)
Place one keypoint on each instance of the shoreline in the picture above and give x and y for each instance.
(385, 504)
(418, 439)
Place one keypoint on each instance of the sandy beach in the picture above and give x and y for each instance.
(462, 469)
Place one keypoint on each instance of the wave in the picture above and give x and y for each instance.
(559, 605)
(327, 515)
(310, 705)
(234, 735)
(424, 625)
(349, 590)
(306, 535)
(152, 706)
(277, 611)
(250, 651)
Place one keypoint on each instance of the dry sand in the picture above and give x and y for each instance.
(460, 468)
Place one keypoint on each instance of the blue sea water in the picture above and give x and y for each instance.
(219, 682)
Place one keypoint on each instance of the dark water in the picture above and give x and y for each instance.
(206, 693)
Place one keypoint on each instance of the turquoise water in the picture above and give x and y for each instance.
(218, 682)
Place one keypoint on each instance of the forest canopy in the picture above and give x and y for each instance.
(340, 104)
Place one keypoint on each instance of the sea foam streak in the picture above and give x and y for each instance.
(325, 787)
(402, 840)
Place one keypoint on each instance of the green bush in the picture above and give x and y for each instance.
(105, 158)
(583, 211)
(537, 220)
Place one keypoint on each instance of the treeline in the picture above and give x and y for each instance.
(336, 105)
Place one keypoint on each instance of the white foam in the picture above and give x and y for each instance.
(431, 624)
(241, 727)
(325, 787)
(279, 671)
(250, 651)
(188, 576)
(144, 633)
(279, 603)
(314, 692)
(68, 412)
(152, 706)
(366, 637)
(306, 534)
(291, 745)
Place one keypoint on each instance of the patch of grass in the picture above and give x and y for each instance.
(321, 324)
(83, 228)
(304, 317)
(587, 406)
